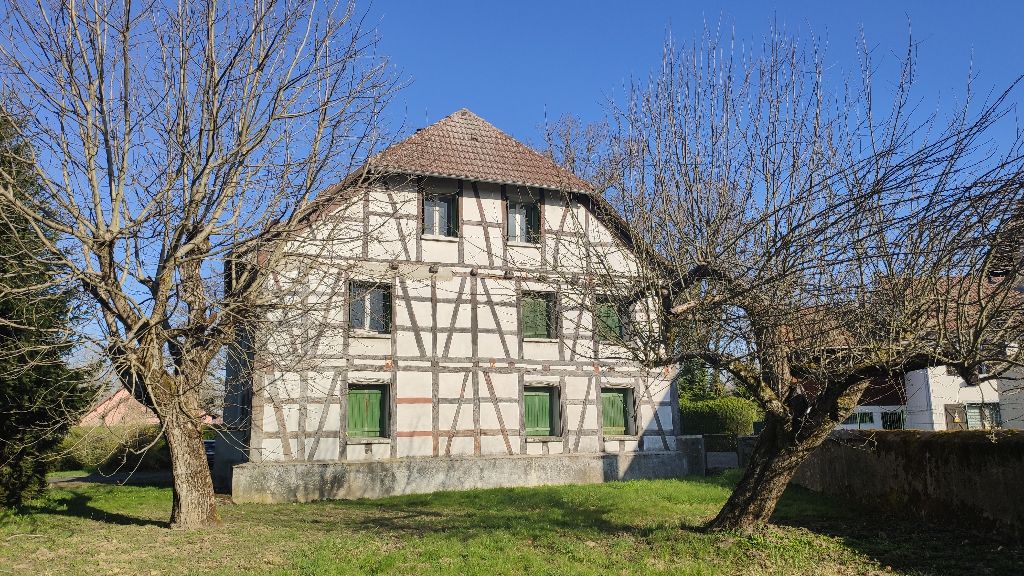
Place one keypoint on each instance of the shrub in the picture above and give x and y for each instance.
(113, 449)
(726, 415)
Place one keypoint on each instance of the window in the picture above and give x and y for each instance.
(369, 307)
(540, 411)
(523, 219)
(608, 318)
(538, 311)
(617, 411)
(367, 411)
(441, 214)
(893, 420)
(859, 419)
(983, 416)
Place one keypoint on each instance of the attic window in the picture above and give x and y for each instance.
(523, 218)
(441, 214)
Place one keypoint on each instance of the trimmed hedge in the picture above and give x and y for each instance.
(726, 415)
(112, 449)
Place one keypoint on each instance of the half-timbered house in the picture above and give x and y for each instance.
(468, 354)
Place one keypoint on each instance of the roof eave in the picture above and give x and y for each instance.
(383, 169)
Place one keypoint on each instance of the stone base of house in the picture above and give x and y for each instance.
(278, 482)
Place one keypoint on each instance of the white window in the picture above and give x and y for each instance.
(369, 307)
(441, 214)
(523, 219)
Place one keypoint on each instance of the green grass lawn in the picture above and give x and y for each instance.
(646, 527)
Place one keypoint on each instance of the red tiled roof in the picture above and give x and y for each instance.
(465, 146)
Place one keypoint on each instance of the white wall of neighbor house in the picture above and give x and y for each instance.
(455, 364)
(1011, 399)
(930, 389)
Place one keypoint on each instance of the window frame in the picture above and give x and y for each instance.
(988, 413)
(453, 211)
(384, 431)
(532, 215)
(889, 415)
(387, 306)
(621, 313)
(553, 393)
(859, 419)
(550, 313)
(628, 408)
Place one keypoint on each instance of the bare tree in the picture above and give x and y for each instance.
(804, 239)
(168, 135)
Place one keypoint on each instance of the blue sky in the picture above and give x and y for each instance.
(513, 61)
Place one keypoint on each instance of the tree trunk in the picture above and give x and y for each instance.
(194, 504)
(776, 457)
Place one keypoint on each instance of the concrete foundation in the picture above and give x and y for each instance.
(279, 482)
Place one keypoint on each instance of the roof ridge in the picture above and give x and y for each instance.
(464, 145)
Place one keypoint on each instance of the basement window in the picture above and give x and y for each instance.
(617, 412)
(367, 411)
(369, 307)
(540, 410)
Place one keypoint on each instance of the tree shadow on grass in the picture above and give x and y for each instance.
(154, 478)
(79, 505)
(903, 543)
(532, 514)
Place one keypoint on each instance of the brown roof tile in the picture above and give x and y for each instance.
(465, 146)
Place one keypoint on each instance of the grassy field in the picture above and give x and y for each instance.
(648, 527)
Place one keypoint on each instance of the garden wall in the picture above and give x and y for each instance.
(276, 482)
(970, 479)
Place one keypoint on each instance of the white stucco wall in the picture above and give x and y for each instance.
(1011, 399)
(930, 389)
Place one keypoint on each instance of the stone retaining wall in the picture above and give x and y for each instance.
(276, 482)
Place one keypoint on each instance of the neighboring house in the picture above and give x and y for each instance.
(119, 408)
(1011, 400)
(469, 356)
(934, 398)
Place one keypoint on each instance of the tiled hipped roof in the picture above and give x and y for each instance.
(465, 146)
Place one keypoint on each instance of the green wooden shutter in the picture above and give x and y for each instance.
(613, 412)
(537, 411)
(365, 412)
(535, 317)
(609, 325)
